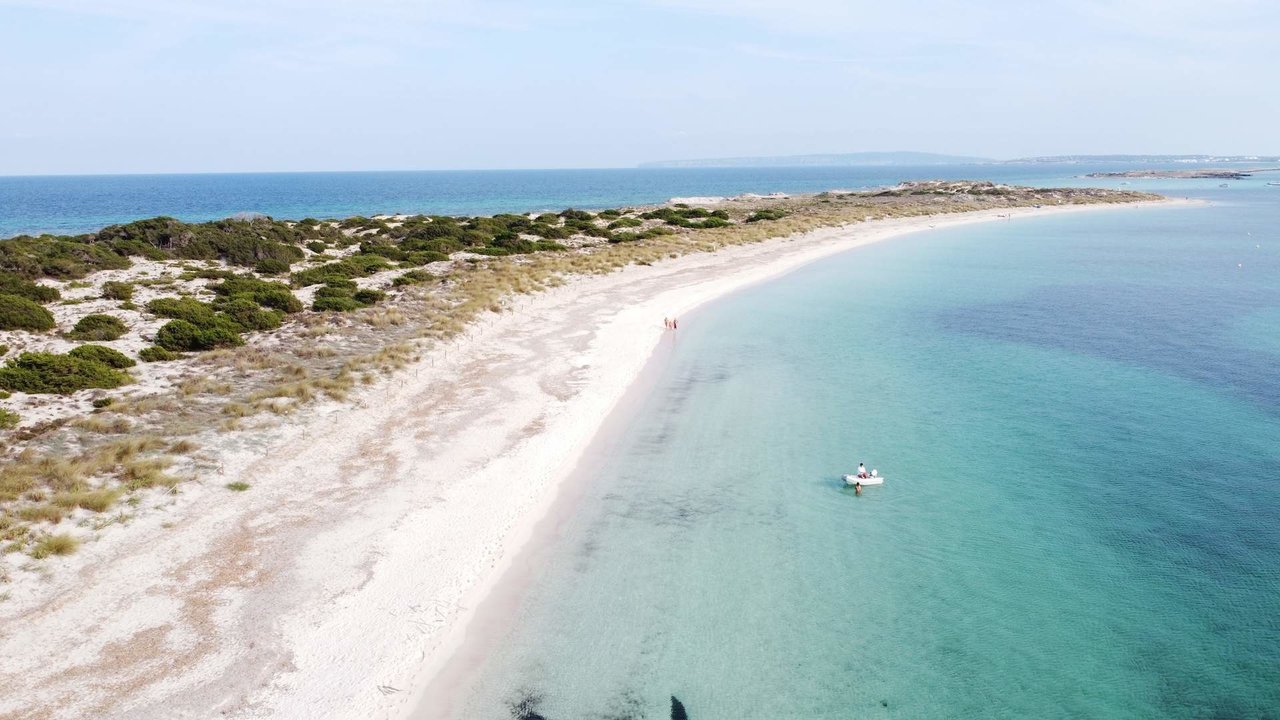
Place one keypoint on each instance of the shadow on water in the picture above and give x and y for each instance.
(630, 707)
(1184, 332)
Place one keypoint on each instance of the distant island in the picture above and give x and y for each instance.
(1205, 174)
(905, 158)
(1145, 159)
(871, 159)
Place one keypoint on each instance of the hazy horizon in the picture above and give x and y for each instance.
(142, 87)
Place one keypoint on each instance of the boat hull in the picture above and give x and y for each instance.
(854, 479)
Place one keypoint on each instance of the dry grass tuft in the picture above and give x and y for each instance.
(61, 544)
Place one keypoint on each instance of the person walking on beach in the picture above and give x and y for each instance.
(675, 324)
(666, 323)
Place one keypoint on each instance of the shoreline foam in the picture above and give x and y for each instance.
(348, 577)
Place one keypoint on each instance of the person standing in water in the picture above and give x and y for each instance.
(857, 488)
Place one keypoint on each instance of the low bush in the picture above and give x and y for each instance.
(413, 277)
(104, 355)
(8, 419)
(316, 246)
(267, 294)
(189, 309)
(155, 353)
(103, 402)
(760, 215)
(342, 299)
(625, 222)
(271, 266)
(13, 284)
(249, 315)
(184, 335)
(344, 269)
(98, 327)
(19, 313)
(116, 290)
(42, 372)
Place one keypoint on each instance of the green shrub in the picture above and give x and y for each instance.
(155, 353)
(344, 269)
(104, 355)
(103, 402)
(12, 284)
(271, 266)
(268, 294)
(19, 313)
(413, 277)
(316, 246)
(625, 222)
(189, 309)
(98, 327)
(184, 335)
(41, 372)
(249, 315)
(759, 215)
(369, 297)
(335, 299)
(4, 349)
(9, 419)
(116, 290)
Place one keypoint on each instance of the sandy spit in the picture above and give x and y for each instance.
(343, 580)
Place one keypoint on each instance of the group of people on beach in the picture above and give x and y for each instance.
(671, 323)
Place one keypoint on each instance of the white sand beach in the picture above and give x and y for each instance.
(346, 577)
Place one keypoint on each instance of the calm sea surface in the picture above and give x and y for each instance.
(1079, 419)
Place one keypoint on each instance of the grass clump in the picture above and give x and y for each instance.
(104, 355)
(93, 500)
(271, 266)
(60, 544)
(41, 372)
(9, 419)
(768, 214)
(98, 327)
(20, 313)
(238, 486)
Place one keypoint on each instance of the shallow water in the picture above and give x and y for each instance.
(1079, 419)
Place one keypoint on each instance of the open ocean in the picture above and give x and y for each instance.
(1078, 417)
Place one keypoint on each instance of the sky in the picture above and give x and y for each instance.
(130, 86)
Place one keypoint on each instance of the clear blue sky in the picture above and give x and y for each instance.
(240, 85)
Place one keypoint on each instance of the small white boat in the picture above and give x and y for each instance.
(852, 480)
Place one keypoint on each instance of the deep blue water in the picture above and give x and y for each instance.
(1079, 417)
(75, 204)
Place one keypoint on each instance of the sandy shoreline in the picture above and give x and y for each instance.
(347, 578)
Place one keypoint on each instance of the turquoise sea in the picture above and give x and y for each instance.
(1079, 420)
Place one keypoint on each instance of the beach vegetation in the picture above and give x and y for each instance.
(238, 486)
(14, 284)
(155, 353)
(61, 544)
(117, 290)
(185, 336)
(98, 327)
(271, 266)
(766, 214)
(20, 313)
(44, 372)
(104, 355)
(9, 419)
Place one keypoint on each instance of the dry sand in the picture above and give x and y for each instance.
(343, 580)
